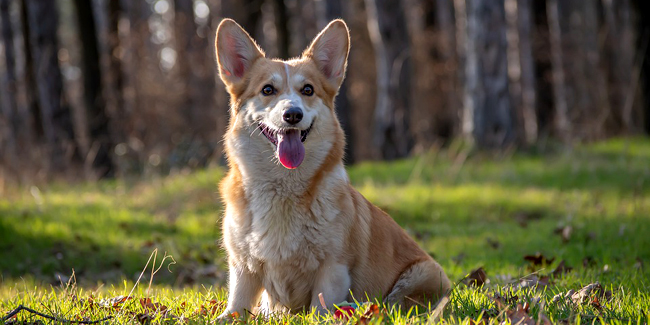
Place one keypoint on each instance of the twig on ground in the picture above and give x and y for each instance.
(60, 320)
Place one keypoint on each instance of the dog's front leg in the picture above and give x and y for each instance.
(244, 290)
(333, 281)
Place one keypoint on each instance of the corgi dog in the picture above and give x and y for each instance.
(293, 226)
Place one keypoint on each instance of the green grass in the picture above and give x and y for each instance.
(483, 210)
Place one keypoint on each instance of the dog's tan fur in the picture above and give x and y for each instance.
(292, 234)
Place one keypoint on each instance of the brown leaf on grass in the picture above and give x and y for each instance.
(595, 303)
(561, 269)
(533, 281)
(538, 259)
(592, 294)
(476, 278)
(212, 307)
(150, 306)
(144, 318)
(564, 232)
(584, 294)
(114, 302)
(372, 311)
(520, 316)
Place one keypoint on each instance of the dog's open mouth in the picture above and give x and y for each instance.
(288, 142)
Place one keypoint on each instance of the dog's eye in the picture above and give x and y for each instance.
(307, 90)
(268, 90)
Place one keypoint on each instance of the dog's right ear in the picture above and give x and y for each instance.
(236, 51)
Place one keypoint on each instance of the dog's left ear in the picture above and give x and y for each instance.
(329, 50)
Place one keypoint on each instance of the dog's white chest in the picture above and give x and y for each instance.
(286, 234)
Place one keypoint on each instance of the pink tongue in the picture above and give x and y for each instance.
(290, 149)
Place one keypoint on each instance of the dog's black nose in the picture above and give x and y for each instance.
(293, 115)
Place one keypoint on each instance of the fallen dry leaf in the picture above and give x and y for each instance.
(561, 269)
(592, 294)
(564, 232)
(583, 294)
(538, 259)
(114, 302)
(144, 318)
(150, 306)
(476, 278)
(520, 316)
(533, 281)
(212, 307)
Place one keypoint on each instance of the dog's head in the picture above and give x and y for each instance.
(283, 109)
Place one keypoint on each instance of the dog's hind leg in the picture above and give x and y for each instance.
(422, 283)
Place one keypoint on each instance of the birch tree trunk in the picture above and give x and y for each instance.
(389, 35)
(488, 112)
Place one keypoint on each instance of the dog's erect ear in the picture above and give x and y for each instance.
(329, 50)
(236, 51)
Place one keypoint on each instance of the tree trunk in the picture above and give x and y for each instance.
(185, 30)
(620, 47)
(31, 94)
(55, 115)
(332, 9)
(559, 83)
(97, 119)
(114, 74)
(389, 35)
(543, 70)
(447, 34)
(582, 107)
(528, 92)
(488, 112)
(521, 68)
(643, 61)
(9, 119)
(282, 28)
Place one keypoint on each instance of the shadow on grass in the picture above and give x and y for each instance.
(101, 244)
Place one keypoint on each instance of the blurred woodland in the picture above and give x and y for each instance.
(108, 88)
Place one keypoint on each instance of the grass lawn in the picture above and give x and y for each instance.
(588, 207)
